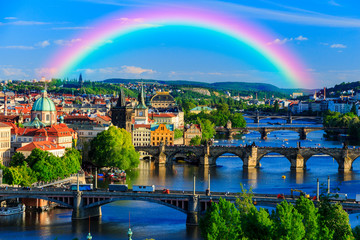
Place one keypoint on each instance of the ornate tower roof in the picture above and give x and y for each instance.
(141, 99)
(44, 103)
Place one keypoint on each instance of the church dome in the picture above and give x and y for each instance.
(44, 104)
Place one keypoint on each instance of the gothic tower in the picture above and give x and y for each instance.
(122, 113)
(141, 111)
(81, 81)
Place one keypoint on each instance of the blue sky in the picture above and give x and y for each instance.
(324, 34)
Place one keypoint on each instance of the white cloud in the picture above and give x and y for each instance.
(301, 38)
(13, 72)
(338, 45)
(130, 20)
(45, 72)
(10, 18)
(136, 70)
(43, 44)
(62, 42)
(18, 47)
(332, 2)
(24, 23)
(131, 70)
(285, 40)
(301, 17)
(71, 28)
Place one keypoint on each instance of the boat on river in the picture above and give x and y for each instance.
(6, 211)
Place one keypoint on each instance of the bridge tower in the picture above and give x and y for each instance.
(161, 159)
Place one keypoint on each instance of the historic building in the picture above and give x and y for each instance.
(47, 146)
(162, 100)
(5, 144)
(122, 114)
(141, 111)
(190, 132)
(141, 134)
(162, 133)
(44, 110)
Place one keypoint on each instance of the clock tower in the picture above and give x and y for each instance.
(141, 111)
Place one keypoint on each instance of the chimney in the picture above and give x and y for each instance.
(324, 93)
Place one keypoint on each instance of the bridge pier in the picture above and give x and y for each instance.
(289, 120)
(192, 216)
(345, 164)
(297, 162)
(79, 212)
(263, 133)
(251, 161)
(302, 134)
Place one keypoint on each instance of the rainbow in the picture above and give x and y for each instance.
(119, 24)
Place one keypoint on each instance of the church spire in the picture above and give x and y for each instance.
(141, 98)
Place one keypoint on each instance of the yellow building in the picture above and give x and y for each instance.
(162, 133)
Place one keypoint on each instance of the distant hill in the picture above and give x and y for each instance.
(241, 86)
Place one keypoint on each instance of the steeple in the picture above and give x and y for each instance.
(80, 79)
(121, 101)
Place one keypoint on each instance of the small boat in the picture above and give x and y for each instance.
(6, 211)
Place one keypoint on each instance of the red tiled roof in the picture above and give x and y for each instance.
(105, 118)
(142, 125)
(163, 115)
(43, 145)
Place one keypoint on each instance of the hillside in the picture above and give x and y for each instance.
(240, 86)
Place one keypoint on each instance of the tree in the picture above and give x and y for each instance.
(207, 129)
(221, 221)
(276, 106)
(178, 133)
(17, 159)
(311, 222)
(237, 120)
(72, 159)
(333, 217)
(288, 222)
(353, 109)
(195, 141)
(114, 148)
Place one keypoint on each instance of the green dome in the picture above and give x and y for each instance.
(44, 104)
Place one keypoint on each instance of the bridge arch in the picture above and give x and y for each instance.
(272, 153)
(110, 200)
(216, 155)
(37, 197)
(310, 160)
(188, 153)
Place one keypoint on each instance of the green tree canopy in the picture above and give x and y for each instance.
(114, 148)
(195, 141)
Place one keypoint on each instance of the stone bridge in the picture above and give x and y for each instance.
(264, 131)
(251, 155)
(289, 117)
(87, 204)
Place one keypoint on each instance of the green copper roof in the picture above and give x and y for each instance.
(44, 104)
(36, 123)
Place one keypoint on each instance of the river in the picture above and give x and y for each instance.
(149, 220)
